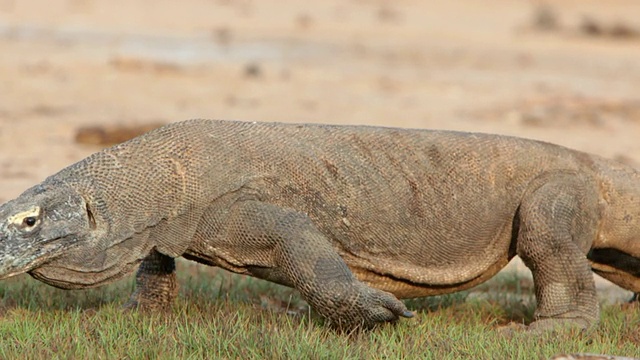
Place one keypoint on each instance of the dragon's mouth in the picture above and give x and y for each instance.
(46, 252)
(10, 274)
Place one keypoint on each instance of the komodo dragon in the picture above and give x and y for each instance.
(354, 217)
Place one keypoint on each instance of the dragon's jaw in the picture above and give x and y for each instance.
(13, 263)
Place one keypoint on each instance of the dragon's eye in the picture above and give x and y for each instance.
(26, 220)
(29, 221)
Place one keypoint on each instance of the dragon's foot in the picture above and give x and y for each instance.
(156, 284)
(564, 324)
(158, 298)
(547, 326)
(358, 305)
(153, 292)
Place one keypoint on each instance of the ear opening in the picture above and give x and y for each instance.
(91, 217)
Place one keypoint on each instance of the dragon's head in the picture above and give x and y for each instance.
(40, 225)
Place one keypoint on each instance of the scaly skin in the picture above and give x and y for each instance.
(353, 217)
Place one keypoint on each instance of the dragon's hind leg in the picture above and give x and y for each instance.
(557, 228)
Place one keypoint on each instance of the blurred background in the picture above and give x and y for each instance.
(76, 75)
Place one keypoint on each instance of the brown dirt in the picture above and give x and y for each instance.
(107, 135)
(492, 66)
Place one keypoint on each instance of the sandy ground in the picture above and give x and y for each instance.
(491, 66)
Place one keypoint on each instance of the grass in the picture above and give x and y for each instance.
(225, 316)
